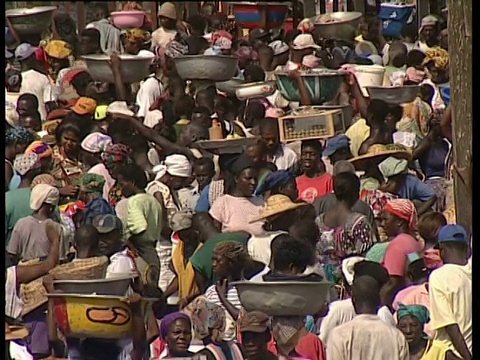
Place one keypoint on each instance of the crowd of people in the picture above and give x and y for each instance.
(110, 174)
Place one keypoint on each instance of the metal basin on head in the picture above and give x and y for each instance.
(214, 68)
(340, 25)
(28, 21)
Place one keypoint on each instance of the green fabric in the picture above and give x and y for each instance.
(179, 125)
(17, 206)
(377, 252)
(369, 184)
(201, 260)
(419, 312)
(92, 183)
(143, 219)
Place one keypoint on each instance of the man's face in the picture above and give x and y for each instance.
(203, 175)
(271, 139)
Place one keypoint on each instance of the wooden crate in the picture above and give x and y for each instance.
(309, 126)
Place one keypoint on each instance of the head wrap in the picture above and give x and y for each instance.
(96, 142)
(279, 47)
(392, 166)
(58, 49)
(175, 165)
(92, 183)
(208, 320)
(404, 209)
(25, 163)
(114, 154)
(43, 150)
(18, 135)
(438, 56)
(245, 53)
(137, 36)
(348, 265)
(168, 320)
(46, 179)
(419, 312)
(222, 40)
(43, 194)
(306, 26)
(175, 49)
(274, 180)
(70, 75)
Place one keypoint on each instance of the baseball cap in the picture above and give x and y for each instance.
(255, 321)
(84, 105)
(101, 112)
(258, 33)
(279, 47)
(181, 220)
(304, 41)
(336, 143)
(24, 51)
(107, 223)
(452, 233)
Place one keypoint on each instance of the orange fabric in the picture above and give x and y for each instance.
(185, 273)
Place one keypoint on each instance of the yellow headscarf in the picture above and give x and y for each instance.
(137, 36)
(58, 49)
(438, 56)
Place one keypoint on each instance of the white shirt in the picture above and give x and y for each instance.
(150, 90)
(161, 37)
(259, 246)
(450, 292)
(39, 85)
(367, 337)
(341, 312)
(120, 264)
(285, 158)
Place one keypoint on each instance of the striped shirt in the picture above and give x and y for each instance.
(211, 295)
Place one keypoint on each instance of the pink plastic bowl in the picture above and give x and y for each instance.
(128, 19)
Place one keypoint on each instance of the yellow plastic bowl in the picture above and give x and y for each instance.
(94, 316)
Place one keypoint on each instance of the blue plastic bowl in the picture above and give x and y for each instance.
(445, 94)
(322, 86)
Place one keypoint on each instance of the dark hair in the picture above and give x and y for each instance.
(135, 174)
(183, 106)
(314, 144)
(196, 45)
(268, 124)
(80, 83)
(429, 225)
(254, 73)
(67, 125)
(84, 122)
(103, 7)
(410, 31)
(202, 220)
(378, 109)
(85, 236)
(206, 96)
(305, 231)
(417, 270)
(92, 34)
(254, 112)
(197, 22)
(204, 161)
(347, 188)
(28, 97)
(427, 92)
(415, 58)
(373, 270)
(366, 291)
(287, 251)
(222, 105)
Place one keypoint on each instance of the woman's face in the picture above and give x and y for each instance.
(246, 182)
(389, 223)
(220, 265)
(69, 141)
(411, 328)
(179, 336)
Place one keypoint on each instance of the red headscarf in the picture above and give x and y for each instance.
(404, 209)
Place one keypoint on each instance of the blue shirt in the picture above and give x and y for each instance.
(414, 189)
(203, 204)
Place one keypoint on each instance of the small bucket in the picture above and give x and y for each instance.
(369, 75)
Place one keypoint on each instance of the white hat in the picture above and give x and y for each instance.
(95, 142)
(119, 107)
(347, 267)
(279, 47)
(304, 41)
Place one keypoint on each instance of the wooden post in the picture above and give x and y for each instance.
(460, 51)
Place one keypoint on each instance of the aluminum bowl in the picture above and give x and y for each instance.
(93, 316)
(109, 287)
(322, 85)
(395, 95)
(265, 15)
(283, 298)
(229, 86)
(340, 25)
(215, 68)
(134, 68)
(28, 21)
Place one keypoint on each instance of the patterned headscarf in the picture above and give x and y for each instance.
(25, 163)
(222, 40)
(43, 150)
(208, 320)
(438, 56)
(175, 49)
(137, 36)
(92, 183)
(114, 154)
(18, 135)
(168, 320)
(419, 312)
(404, 209)
(306, 26)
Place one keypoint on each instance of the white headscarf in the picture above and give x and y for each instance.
(347, 267)
(96, 142)
(43, 194)
(175, 165)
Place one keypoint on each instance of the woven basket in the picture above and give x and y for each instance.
(34, 294)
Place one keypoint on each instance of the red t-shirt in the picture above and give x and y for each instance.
(310, 189)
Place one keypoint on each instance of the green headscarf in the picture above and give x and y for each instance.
(92, 183)
(419, 312)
